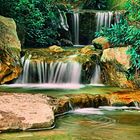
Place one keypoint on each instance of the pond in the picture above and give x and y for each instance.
(58, 90)
(106, 125)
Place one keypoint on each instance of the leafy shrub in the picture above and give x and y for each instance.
(39, 20)
(120, 34)
(127, 33)
(133, 7)
(95, 4)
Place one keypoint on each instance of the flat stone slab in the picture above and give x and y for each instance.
(25, 111)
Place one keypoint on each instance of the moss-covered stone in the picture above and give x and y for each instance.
(10, 48)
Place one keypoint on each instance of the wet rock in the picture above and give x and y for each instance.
(101, 43)
(63, 105)
(70, 102)
(25, 112)
(10, 47)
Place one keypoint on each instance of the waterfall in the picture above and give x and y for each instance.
(96, 75)
(105, 19)
(63, 20)
(76, 28)
(55, 72)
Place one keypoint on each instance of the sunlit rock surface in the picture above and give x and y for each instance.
(101, 43)
(9, 50)
(125, 97)
(25, 111)
(56, 49)
(115, 63)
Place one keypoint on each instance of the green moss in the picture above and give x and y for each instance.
(116, 4)
(69, 54)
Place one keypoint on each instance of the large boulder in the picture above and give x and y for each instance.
(9, 50)
(25, 112)
(115, 63)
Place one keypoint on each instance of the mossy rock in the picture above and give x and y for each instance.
(56, 49)
(10, 48)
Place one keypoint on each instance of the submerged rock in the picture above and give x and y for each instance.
(9, 50)
(25, 112)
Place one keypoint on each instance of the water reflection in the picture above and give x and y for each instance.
(110, 125)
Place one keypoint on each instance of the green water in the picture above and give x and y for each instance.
(88, 89)
(113, 125)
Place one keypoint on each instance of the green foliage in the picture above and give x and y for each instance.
(116, 4)
(120, 34)
(95, 4)
(127, 33)
(133, 7)
(39, 20)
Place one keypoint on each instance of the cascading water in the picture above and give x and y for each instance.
(105, 19)
(55, 72)
(63, 20)
(95, 80)
(76, 28)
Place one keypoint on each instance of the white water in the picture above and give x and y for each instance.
(55, 72)
(87, 111)
(96, 76)
(101, 109)
(46, 85)
(76, 28)
(63, 20)
(105, 19)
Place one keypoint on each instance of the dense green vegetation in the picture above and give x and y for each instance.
(39, 23)
(95, 4)
(127, 32)
(37, 19)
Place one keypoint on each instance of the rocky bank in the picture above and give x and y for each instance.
(26, 112)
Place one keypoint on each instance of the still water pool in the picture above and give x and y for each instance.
(87, 124)
(106, 125)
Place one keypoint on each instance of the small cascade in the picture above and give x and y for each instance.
(63, 19)
(137, 105)
(96, 75)
(105, 19)
(76, 28)
(55, 72)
